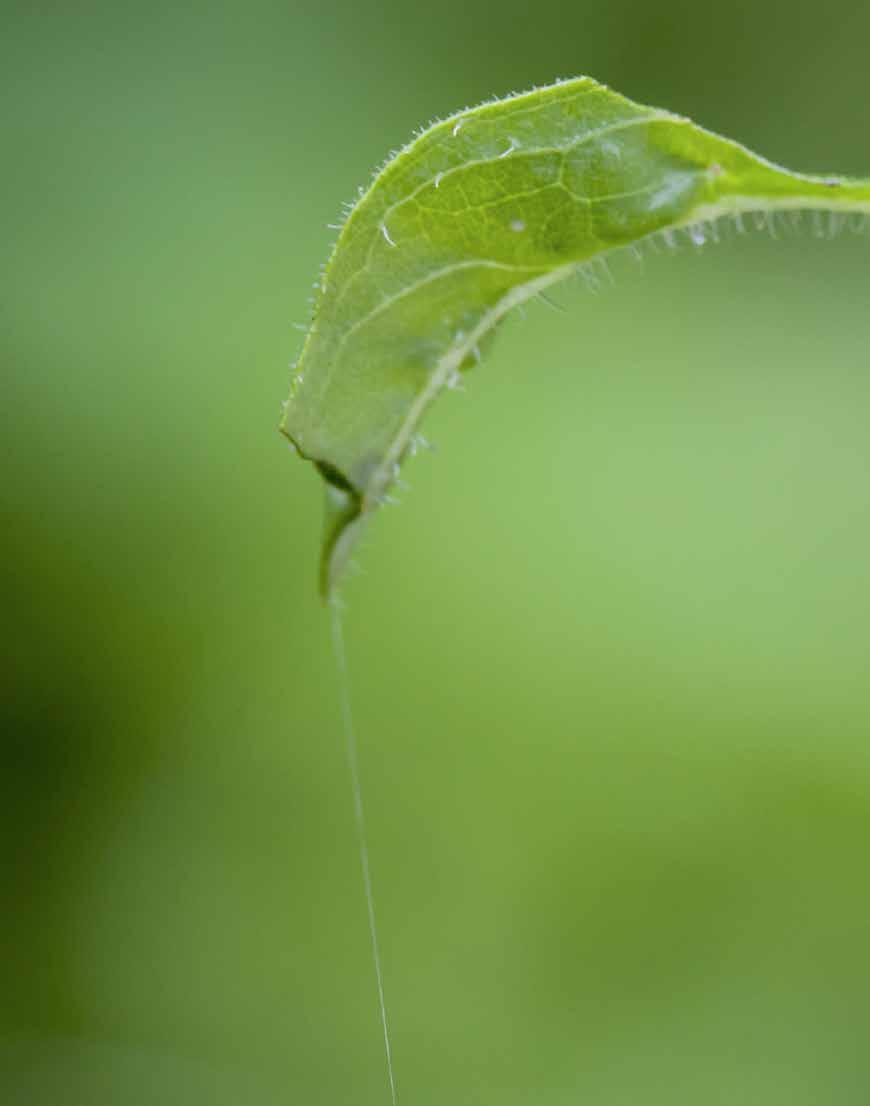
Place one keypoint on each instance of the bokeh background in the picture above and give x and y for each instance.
(609, 659)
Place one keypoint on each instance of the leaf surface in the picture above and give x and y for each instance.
(476, 215)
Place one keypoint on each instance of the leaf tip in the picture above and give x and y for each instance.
(342, 527)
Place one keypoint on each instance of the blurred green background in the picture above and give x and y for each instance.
(609, 659)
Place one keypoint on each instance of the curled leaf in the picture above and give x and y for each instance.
(477, 214)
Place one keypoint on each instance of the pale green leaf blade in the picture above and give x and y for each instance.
(479, 213)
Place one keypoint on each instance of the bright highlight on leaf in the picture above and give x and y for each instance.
(476, 215)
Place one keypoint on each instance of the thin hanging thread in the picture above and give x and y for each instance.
(359, 816)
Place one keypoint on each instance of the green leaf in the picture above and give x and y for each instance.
(477, 214)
